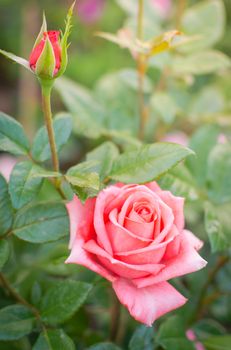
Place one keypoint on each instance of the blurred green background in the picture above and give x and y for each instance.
(90, 57)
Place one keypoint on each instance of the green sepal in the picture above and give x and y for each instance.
(42, 30)
(22, 61)
(45, 65)
(64, 41)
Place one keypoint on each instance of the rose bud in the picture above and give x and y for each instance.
(45, 58)
(134, 236)
(48, 59)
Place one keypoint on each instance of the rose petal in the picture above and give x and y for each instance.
(102, 201)
(81, 218)
(194, 241)
(149, 303)
(80, 256)
(177, 206)
(119, 267)
(186, 261)
(150, 254)
(142, 230)
(122, 239)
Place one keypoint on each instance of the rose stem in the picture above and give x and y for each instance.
(222, 260)
(5, 283)
(115, 317)
(180, 11)
(141, 68)
(46, 103)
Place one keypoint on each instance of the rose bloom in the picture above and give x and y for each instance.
(134, 236)
(53, 36)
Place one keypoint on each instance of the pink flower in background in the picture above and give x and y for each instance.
(163, 6)
(90, 11)
(222, 139)
(176, 137)
(7, 163)
(134, 236)
(190, 334)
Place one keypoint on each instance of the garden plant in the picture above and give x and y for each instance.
(115, 215)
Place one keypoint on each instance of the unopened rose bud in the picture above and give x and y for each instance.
(45, 58)
(38, 53)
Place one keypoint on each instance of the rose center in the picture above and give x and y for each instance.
(145, 211)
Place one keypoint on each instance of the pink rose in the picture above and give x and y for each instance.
(133, 235)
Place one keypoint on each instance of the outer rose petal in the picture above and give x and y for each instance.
(186, 261)
(81, 218)
(80, 256)
(149, 303)
(103, 199)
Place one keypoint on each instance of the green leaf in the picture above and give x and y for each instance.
(148, 162)
(180, 182)
(218, 174)
(214, 230)
(41, 222)
(4, 252)
(130, 78)
(12, 136)
(208, 327)
(104, 346)
(16, 59)
(6, 210)
(164, 105)
(223, 212)
(105, 154)
(54, 340)
(62, 300)
(87, 112)
(202, 62)
(16, 321)
(218, 342)
(84, 179)
(202, 142)
(205, 19)
(36, 293)
(23, 186)
(142, 339)
(62, 125)
(208, 101)
(171, 335)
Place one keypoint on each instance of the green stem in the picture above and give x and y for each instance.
(141, 68)
(199, 309)
(181, 5)
(46, 103)
(18, 297)
(115, 317)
